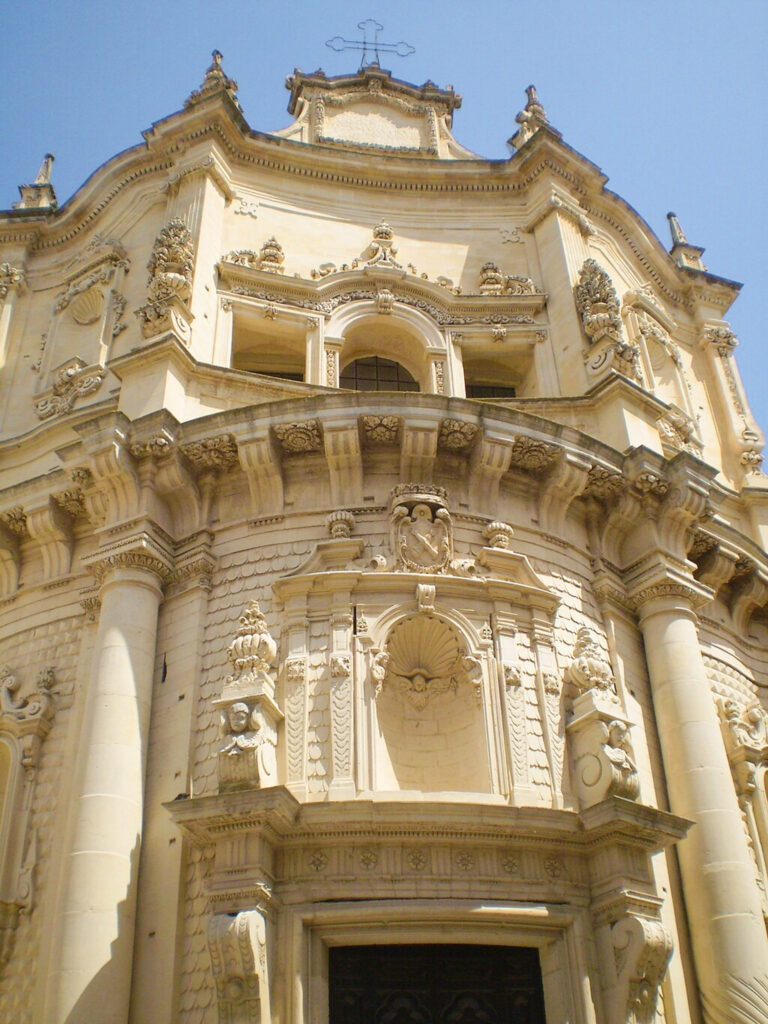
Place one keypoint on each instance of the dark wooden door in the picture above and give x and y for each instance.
(435, 984)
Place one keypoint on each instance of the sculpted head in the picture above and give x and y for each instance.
(239, 715)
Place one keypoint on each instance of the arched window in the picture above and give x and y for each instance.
(372, 373)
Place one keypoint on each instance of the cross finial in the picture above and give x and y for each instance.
(369, 45)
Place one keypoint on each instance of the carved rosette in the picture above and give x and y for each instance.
(249, 715)
(169, 283)
(421, 529)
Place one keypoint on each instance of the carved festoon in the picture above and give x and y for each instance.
(249, 714)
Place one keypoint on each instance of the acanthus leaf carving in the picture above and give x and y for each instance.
(238, 953)
(380, 429)
(642, 948)
(457, 435)
(212, 454)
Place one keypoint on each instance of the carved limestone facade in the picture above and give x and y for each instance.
(391, 578)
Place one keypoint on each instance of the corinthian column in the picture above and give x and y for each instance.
(96, 923)
(721, 893)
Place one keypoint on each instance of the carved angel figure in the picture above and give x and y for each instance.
(618, 750)
(423, 538)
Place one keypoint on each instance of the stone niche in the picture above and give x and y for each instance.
(430, 734)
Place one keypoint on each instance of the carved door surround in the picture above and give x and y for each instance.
(576, 886)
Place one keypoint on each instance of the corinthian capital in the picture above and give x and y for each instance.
(140, 551)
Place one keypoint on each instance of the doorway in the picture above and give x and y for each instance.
(435, 984)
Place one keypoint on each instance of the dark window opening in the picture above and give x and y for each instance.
(372, 373)
(490, 391)
(435, 984)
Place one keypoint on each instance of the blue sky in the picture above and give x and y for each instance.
(668, 97)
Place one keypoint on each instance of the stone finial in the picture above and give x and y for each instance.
(215, 82)
(272, 256)
(682, 252)
(169, 282)
(40, 195)
(678, 235)
(340, 524)
(531, 118)
(44, 174)
(498, 534)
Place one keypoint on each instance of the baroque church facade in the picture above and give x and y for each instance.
(322, 701)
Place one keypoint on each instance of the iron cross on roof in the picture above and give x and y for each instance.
(370, 44)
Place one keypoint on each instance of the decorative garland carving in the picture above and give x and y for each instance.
(10, 277)
(28, 721)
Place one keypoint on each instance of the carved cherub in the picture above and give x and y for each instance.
(241, 728)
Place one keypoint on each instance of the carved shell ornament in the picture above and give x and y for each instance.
(423, 659)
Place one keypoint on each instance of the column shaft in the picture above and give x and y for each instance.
(722, 898)
(97, 920)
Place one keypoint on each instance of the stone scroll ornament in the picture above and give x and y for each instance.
(597, 731)
(249, 715)
(26, 722)
(169, 283)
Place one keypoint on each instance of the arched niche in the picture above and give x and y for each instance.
(430, 729)
(403, 335)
